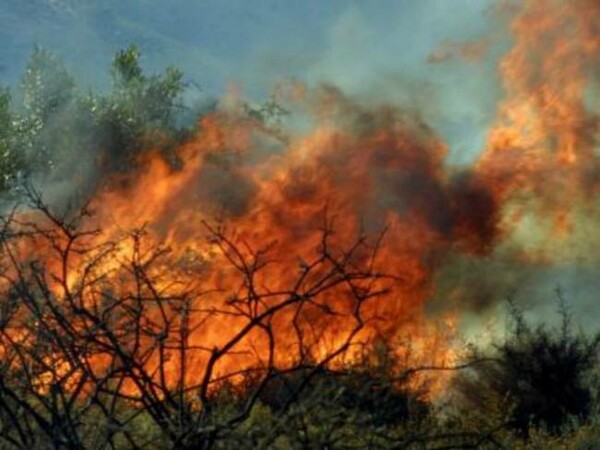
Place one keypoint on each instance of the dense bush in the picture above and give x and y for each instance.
(543, 374)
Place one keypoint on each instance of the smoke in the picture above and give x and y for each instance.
(541, 158)
(485, 188)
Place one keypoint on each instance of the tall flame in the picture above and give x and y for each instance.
(367, 169)
(544, 142)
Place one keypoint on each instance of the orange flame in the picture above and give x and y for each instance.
(369, 168)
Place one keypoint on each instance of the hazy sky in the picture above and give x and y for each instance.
(377, 47)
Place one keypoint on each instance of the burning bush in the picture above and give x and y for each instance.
(99, 329)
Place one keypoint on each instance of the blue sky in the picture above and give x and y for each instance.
(376, 47)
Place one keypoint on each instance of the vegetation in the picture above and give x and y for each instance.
(545, 375)
(56, 130)
(84, 354)
(76, 374)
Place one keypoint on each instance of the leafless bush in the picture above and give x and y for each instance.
(97, 340)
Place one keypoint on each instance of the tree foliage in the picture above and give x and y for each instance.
(11, 161)
(57, 130)
(140, 110)
(47, 86)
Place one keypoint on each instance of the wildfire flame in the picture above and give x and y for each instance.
(367, 169)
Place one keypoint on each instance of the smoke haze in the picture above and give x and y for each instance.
(471, 127)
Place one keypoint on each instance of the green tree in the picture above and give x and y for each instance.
(58, 131)
(43, 130)
(47, 85)
(140, 110)
(10, 159)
